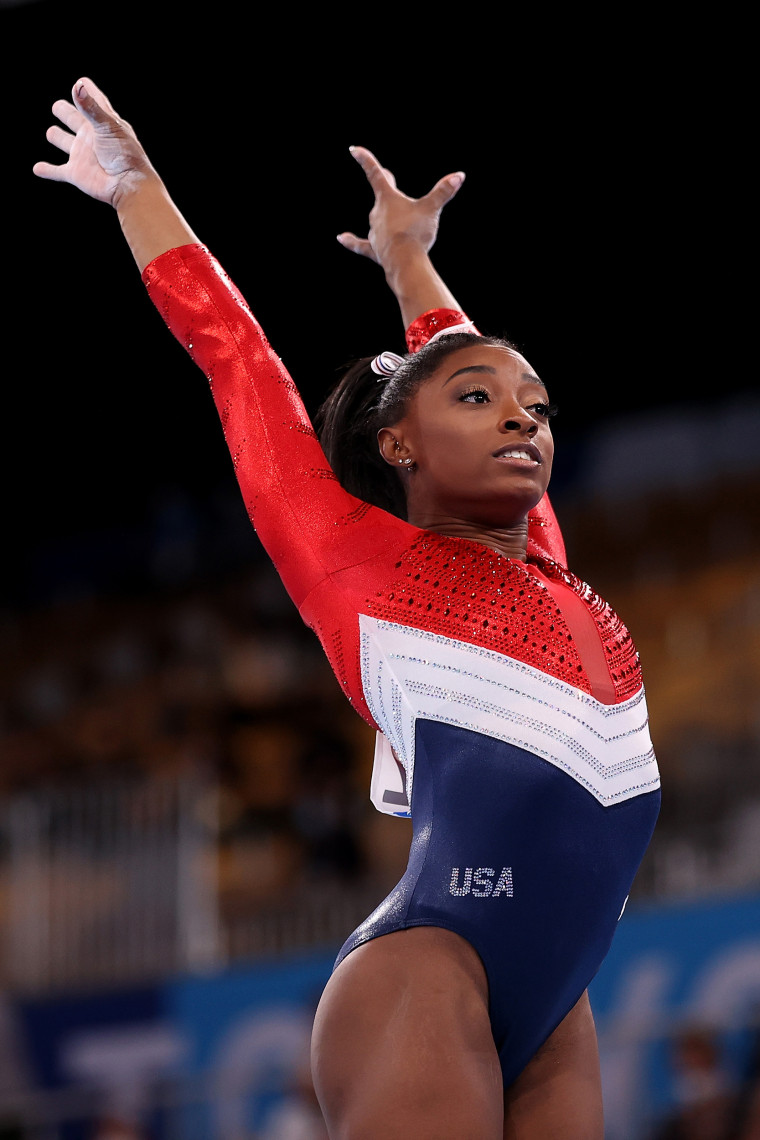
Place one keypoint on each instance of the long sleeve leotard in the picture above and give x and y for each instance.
(510, 692)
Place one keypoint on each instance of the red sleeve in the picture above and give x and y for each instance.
(310, 527)
(544, 535)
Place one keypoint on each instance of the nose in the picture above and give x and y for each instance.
(521, 421)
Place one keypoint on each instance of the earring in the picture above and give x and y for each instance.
(405, 461)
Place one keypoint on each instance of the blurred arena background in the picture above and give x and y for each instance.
(185, 831)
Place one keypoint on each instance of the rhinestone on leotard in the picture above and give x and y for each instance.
(462, 590)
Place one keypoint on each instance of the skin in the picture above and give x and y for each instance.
(402, 231)
(107, 162)
(402, 1044)
(402, 1047)
(464, 432)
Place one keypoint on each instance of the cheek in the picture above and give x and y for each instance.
(440, 442)
(548, 454)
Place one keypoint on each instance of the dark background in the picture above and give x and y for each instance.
(601, 226)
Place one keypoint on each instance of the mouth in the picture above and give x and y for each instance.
(519, 454)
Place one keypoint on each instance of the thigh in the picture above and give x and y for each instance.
(402, 1043)
(558, 1095)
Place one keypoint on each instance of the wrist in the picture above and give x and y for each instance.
(134, 186)
(404, 257)
(149, 219)
(416, 285)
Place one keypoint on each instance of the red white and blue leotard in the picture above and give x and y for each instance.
(510, 692)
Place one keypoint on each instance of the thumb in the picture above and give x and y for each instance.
(92, 102)
(445, 189)
(357, 245)
(390, 176)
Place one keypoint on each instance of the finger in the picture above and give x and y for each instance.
(391, 177)
(60, 138)
(84, 96)
(357, 245)
(377, 176)
(444, 190)
(48, 170)
(68, 114)
(98, 94)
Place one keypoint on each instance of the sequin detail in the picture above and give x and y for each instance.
(463, 590)
(432, 323)
(622, 655)
(354, 516)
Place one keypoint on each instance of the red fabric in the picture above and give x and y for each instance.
(338, 556)
(434, 321)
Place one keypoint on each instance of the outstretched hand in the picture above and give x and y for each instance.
(395, 219)
(104, 154)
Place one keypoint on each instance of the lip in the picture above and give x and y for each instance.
(507, 451)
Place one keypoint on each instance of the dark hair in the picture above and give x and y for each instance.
(362, 402)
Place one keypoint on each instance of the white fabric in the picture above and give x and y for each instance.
(387, 790)
(466, 327)
(409, 673)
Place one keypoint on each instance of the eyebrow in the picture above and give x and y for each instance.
(472, 368)
(529, 377)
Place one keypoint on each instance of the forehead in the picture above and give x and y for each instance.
(506, 363)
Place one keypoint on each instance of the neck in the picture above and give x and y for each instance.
(511, 541)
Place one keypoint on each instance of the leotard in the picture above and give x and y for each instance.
(510, 692)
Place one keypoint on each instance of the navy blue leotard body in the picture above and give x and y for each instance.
(518, 858)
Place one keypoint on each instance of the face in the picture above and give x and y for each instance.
(478, 435)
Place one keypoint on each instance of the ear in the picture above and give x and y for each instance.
(393, 448)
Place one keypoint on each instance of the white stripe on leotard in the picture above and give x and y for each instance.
(410, 674)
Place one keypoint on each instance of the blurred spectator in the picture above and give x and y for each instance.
(112, 1128)
(704, 1093)
(325, 811)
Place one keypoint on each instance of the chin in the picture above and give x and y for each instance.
(516, 507)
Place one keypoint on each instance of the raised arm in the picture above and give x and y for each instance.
(107, 162)
(308, 523)
(402, 231)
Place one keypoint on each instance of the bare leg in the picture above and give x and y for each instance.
(558, 1095)
(402, 1043)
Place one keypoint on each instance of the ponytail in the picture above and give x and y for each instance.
(347, 427)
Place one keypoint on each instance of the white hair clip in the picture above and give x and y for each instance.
(386, 364)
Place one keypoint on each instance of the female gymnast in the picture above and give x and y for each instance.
(507, 694)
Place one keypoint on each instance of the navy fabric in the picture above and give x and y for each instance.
(514, 855)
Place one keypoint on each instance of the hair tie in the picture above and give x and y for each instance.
(386, 364)
(462, 327)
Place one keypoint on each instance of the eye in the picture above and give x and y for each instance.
(475, 396)
(546, 411)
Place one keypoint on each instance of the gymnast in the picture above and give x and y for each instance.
(417, 541)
